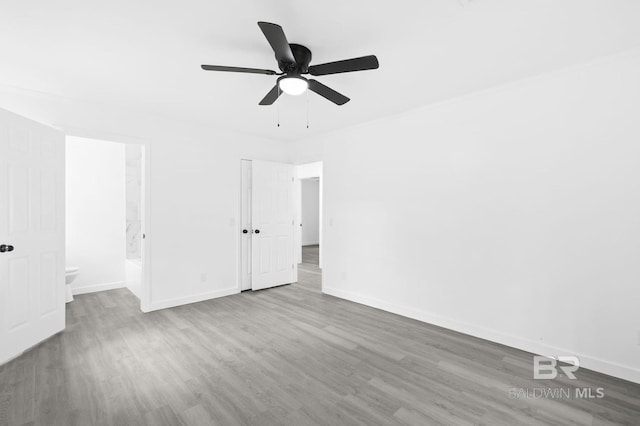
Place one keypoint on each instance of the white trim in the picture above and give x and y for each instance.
(241, 225)
(589, 362)
(170, 303)
(145, 286)
(311, 243)
(98, 287)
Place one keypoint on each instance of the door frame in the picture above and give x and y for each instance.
(145, 285)
(242, 196)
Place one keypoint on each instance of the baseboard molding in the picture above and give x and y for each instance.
(98, 287)
(171, 303)
(586, 361)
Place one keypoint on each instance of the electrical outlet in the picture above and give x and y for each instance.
(203, 277)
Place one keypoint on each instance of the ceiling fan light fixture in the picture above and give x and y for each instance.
(293, 85)
(293, 61)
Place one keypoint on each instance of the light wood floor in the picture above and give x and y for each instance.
(288, 355)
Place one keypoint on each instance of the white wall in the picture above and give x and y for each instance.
(95, 213)
(310, 211)
(133, 274)
(192, 189)
(512, 214)
(195, 213)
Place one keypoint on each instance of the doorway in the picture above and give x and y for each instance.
(310, 220)
(105, 216)
(309, 187)
(309, 246)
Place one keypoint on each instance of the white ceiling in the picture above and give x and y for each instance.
(146, 55)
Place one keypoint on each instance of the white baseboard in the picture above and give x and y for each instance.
(589, 362)
(171, 303)
(97, 287)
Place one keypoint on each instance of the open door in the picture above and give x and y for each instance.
(32, 258)
(272, 214)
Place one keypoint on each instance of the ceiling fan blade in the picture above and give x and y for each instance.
(327, 92)
(271, 97)
(237, 69)
(276, 38)
(348, 65)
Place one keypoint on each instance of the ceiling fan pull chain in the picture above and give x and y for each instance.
(279, 105)
(307, 109)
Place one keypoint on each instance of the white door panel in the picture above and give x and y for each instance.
(272, 220)
(32, 222)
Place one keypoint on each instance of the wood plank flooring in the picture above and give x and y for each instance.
(288, 355)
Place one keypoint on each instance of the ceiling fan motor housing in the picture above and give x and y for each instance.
(302, 56)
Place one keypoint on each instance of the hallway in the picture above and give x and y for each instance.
(309, 274)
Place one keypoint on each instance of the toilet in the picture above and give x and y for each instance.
(70, 274)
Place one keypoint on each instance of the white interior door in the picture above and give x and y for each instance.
(272, 218)
(32, 262)
(245, 225)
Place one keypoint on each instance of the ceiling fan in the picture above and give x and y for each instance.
(293, 61)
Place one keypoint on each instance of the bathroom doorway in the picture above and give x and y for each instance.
(105, 216)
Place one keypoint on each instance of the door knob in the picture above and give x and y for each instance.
(257, 231)
(244, 231)
(5, 248)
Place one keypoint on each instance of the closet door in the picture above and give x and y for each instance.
(272, 214)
